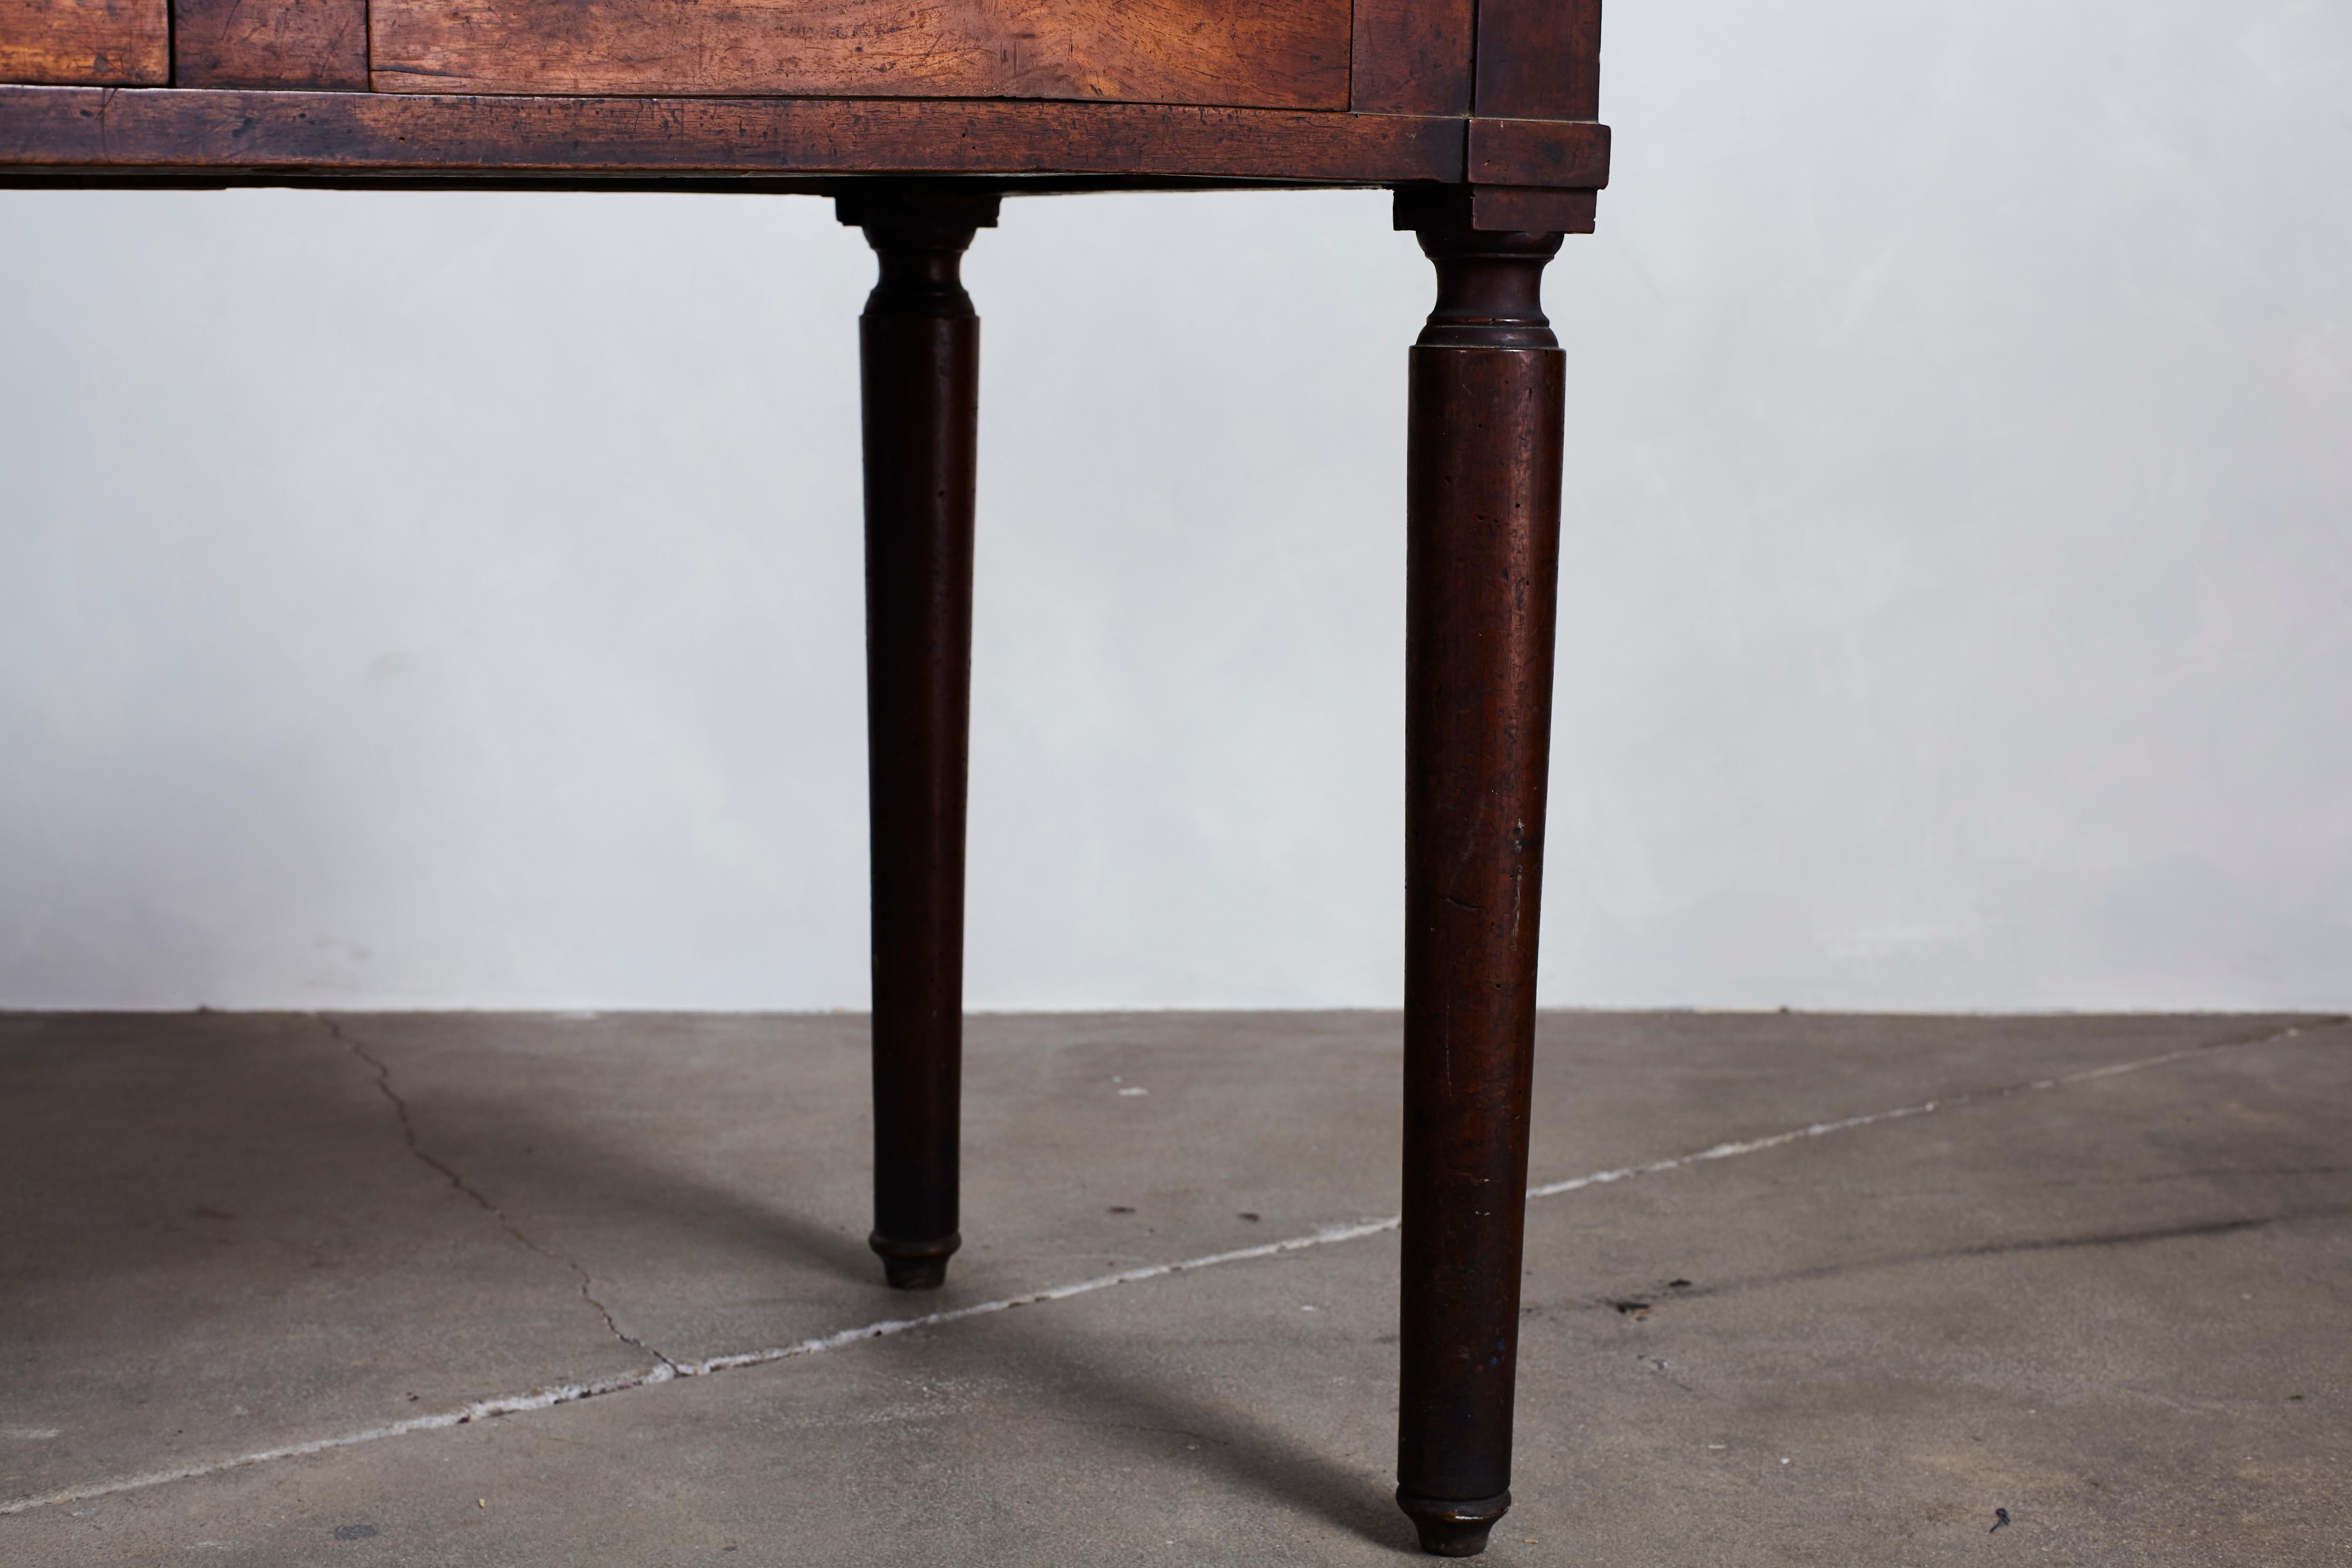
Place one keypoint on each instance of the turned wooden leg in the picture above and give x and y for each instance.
(1483, 472)
(919, 346)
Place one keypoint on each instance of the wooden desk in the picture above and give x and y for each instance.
(918, 119)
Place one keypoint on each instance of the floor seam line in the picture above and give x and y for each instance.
(1930, 1107)
(668, 1370)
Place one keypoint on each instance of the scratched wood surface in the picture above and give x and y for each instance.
(1412, 57)
(319, 44)
(59, 127)
(105, 43)
(1539, 59)
(1272, 54)
(794, 94)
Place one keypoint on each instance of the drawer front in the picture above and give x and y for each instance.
(96, 43)
(1272, 54)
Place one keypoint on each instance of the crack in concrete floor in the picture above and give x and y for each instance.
(667, 1370)
(425, 1156)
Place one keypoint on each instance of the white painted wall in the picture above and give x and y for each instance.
(451, 601)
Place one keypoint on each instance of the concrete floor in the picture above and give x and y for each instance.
(2116, 1303)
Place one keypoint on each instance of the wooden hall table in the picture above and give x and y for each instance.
(918, 119)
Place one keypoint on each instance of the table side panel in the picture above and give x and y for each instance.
(299, 44)
(1539, 59)
(1412, 57)
(101, 43)
(1269, 54)
(369, 133)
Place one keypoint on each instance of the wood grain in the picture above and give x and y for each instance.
(1539, 59)
(381, 132)
(1412, 57)
(1273, 54)
(100, 42)
(315, 44)
(1539, 152)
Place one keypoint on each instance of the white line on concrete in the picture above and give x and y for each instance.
(572, 1392)
(1924, 1108)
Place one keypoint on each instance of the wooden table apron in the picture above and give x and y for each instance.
(1480, 114)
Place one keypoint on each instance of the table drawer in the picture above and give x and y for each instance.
(95, 42)
(1274, 54)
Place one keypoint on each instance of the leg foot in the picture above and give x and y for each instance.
(1453, 1529)
(920, 1266)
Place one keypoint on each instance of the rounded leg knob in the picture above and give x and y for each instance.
(914, 1265)
(1450, 1529)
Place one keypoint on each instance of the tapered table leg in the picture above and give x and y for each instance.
(919, 345)
(1483, 475)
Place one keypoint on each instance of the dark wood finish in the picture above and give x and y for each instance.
(1480, 114)
(309, 45)
(1539, 59)
(1482, 476)
(919, 356)
(1496, 208)
(1571, 153)
(1265, 54)
(103, 43)
(1412, 57)
(1516, 207)
(306, 132)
